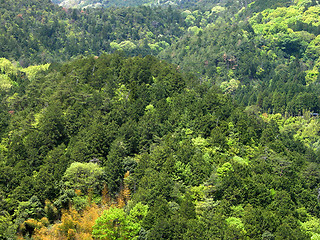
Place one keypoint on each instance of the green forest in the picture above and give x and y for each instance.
(159, 120)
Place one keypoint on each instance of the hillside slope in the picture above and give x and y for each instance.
(270, 59)
(223, 144)
(40, 31)
(187, 148)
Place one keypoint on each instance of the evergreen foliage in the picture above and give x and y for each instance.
(222, 145)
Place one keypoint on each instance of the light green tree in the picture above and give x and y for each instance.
(114, 223)
(83, 176)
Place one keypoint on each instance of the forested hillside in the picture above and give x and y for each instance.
(270, 60)
(215, 136)
(199, 165)
(34, 32)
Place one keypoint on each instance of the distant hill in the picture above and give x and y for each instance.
(98, 3)
(111, 3)
(203, 4)
(40, 31)
(270, 58)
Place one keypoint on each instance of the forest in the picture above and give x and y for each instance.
(186, 120)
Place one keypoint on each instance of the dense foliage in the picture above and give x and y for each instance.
(270, 60)
(196, 160)
(38, 31)
(222, 145)
(35, 32)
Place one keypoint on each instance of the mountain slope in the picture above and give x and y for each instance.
(187, 148)
(42, 32)
(110, 146)
(269, 60)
